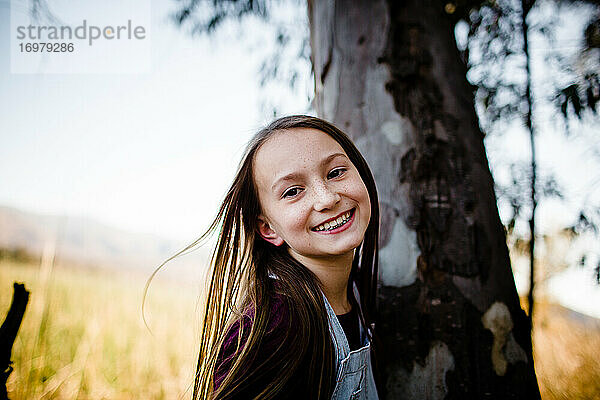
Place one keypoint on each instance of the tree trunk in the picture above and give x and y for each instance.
(390, 75)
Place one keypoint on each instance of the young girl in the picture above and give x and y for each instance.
(290, 304)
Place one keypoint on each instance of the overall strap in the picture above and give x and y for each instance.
(362, 315)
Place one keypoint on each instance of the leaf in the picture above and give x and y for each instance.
(591, 97)
(182, 15)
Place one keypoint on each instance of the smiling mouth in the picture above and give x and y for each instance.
(335, 223)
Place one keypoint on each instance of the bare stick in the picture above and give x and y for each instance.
(8, 333)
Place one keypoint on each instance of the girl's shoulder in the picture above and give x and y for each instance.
(279, 318)
(280, 326)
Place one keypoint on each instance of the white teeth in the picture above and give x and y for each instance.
(335, 223)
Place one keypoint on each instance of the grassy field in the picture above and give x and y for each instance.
(83, 338)
(566, 355)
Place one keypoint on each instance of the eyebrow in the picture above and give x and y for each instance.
(293, 175)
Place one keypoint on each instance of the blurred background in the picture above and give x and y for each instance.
(104, 176)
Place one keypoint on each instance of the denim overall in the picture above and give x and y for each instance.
(354, 370)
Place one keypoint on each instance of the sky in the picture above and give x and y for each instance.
(149, 152)
(153, 150)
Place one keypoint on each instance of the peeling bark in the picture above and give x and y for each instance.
(504, 349)
(390, 75)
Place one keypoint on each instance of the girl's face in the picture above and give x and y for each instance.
(311, 195)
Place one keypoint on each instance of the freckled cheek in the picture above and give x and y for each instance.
(362, 196)
(368, 212)
(296, 219)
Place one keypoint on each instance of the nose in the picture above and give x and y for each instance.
(325, 196)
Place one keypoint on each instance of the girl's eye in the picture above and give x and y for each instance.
(336, 172)
(291, 192)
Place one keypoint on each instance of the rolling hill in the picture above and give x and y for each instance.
(86, 242)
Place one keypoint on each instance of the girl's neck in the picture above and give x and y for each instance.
(333, 274)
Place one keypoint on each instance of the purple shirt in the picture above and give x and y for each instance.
(273, 351)
(278, 324)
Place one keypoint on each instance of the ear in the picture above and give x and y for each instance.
(267, 233)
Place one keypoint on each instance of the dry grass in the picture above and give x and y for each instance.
(566, 354)
(83, 336)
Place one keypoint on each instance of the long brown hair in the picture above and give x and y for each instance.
(240, 284)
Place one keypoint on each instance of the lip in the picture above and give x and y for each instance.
(339, 228)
